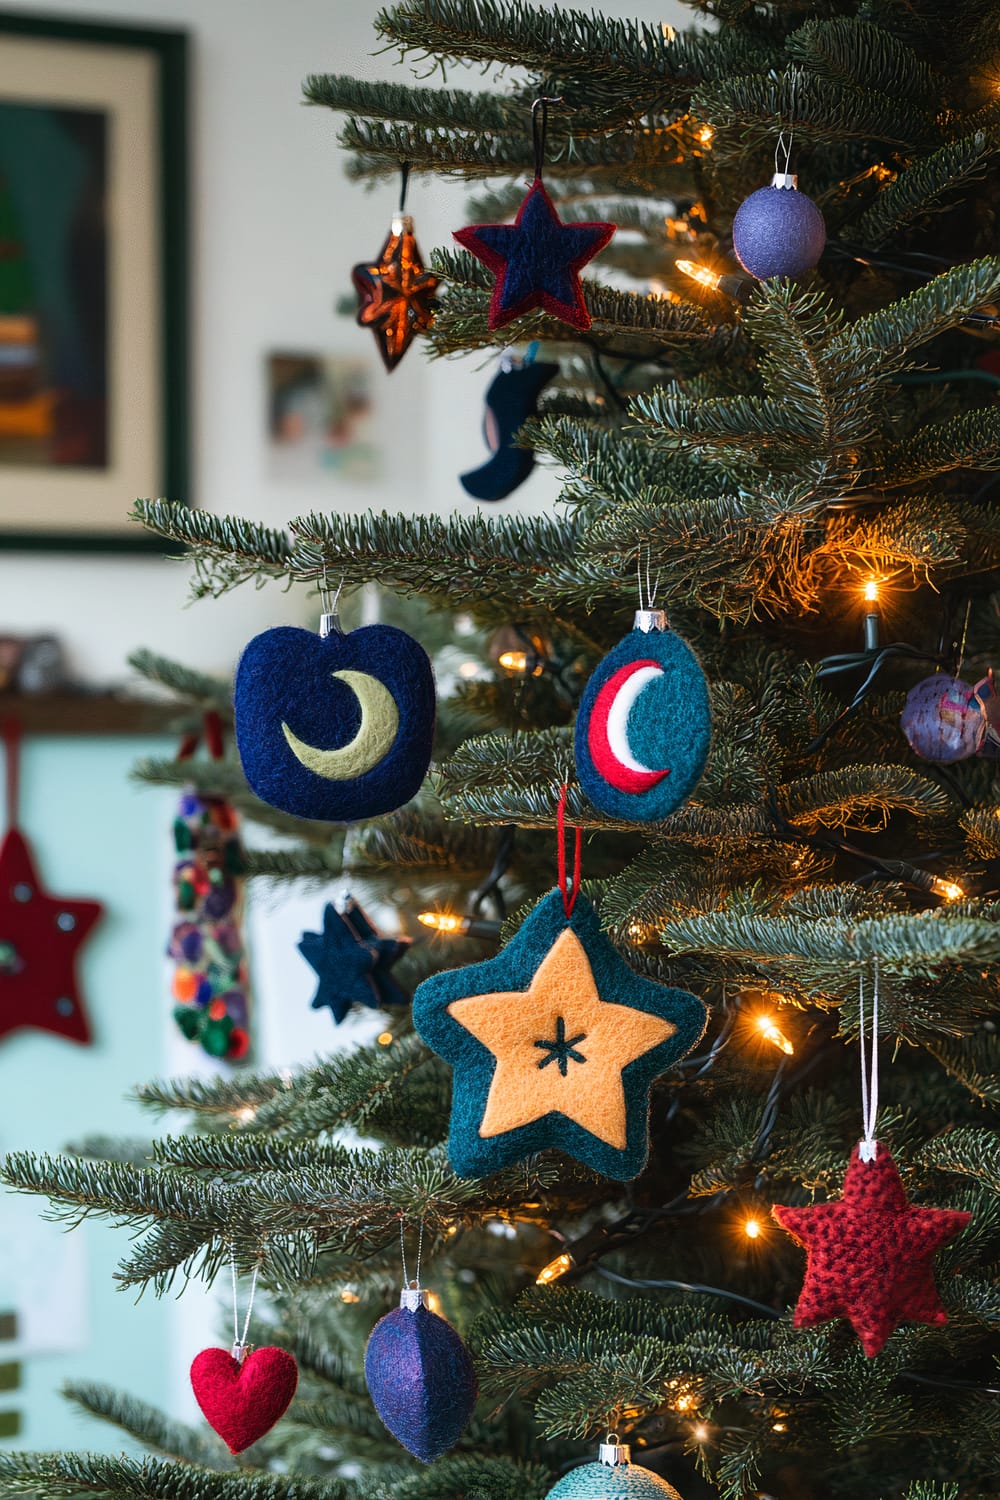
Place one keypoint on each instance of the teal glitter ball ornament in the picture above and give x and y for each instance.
(613, 1477)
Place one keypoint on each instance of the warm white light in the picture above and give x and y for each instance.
(871, 591)
(468, 669)
(513, 661)
(765, 1025)
(384, 1038)
(443, 921)
(554, 1269)
(668, 31)
(347, 1295)
(779, 1427)
(700, 1432)
(949, 889)
(751, 1228)
(701, 274)
(705, 135)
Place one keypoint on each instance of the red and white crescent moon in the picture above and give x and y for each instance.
(607, 737)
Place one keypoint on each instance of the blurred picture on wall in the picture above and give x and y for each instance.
(321, 420)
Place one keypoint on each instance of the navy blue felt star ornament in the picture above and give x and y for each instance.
(537, 260)
(554, 1043)
(352, 961)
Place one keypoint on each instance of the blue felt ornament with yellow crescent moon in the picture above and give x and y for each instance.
(333, 726)
(644, 726)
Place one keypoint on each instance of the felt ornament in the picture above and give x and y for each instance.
(242, 1393)
(778, 231)
(536, 261)
(554, 1043)
(352, 961)
(210, 984)
(613, 1477)
(644, 727)
(334, 726)
(870, 1255)
(943, 719)
(40, 934)
(511, 399)
(242, 1399)
(395, 294)
(420, 1377)
(988, 699)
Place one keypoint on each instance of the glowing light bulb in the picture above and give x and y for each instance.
(347, 1295)
(700, 1432)
(554, 1269)
(765, 1025)
(871, 591)
(443, 921)
(684, 1401)
(705, 135)
(468, 669)
(751, 1228)
(434, 1303)
(779, 1427)
(701, 274)
(513, 661)
(949, 889)
(384, 1038)
(667, 31)
(246, 1114)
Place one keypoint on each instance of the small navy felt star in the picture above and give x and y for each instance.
(352, 961)
(537, 260)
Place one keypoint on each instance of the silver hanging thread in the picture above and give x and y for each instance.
(868, 1149)
(412, 1296)
(783, 177)
(647, 617)
(240, 1341)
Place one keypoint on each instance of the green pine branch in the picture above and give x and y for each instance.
(184, 682)
(968, 441)
(942, 303)
(148, 1426)
(857, 53)
(98, 1475)
(930, 185)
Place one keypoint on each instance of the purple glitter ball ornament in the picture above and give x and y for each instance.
(420, 1377)
(943, 719)
(778, 231)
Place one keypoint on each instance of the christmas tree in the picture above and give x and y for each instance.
(799, 470)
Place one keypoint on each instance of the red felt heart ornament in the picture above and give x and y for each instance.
(242, 1401)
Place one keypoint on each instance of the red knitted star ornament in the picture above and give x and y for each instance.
(870, 1255)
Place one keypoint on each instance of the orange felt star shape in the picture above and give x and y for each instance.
(870, 1255)
(518, 1028)
(395, 293)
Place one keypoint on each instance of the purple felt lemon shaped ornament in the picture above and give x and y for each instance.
(333, 726)
(644, 727)
(420, 1377)
(943, 719)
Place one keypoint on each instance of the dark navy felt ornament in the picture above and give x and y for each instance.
(644, 725)
(537, 260)
(332, 726)
(778, 231)
(420, 1377)
(554, 1043)
(511, 399)
(352, 961)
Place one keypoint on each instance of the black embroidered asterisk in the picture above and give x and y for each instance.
(562, 1048)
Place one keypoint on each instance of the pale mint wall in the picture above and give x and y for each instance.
(94, 834)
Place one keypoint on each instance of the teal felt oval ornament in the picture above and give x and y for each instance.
(554, 1043)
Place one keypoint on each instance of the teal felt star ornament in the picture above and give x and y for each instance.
(554, 1043)
(352, 961)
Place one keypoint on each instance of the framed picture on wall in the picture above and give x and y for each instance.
(93, 279)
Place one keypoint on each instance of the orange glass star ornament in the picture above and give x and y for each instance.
(395, 293)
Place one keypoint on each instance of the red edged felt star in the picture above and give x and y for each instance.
(870, 1255)
(537, 260)
(395, 293)
(39, 938)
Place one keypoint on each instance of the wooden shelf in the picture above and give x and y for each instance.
(86, 713)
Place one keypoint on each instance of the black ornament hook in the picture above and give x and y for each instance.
(540, 129)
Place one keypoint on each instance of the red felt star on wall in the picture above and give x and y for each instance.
(870, 1255)
(40, 935)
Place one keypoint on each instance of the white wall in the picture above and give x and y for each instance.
(276, 228)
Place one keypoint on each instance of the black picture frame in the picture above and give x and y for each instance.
(169, 51)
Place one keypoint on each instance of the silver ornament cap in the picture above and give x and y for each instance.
(787, 180)
(329, 624)
(411, 1297)
(648, 620)
(612, 1453)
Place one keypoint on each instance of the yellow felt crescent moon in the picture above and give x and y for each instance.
(372, 743)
